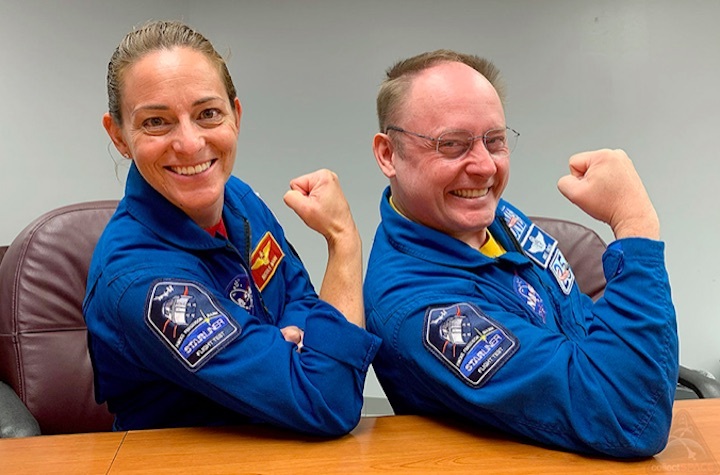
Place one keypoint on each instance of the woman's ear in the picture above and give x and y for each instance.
(115, 132)
(237, 109)
(384, 154)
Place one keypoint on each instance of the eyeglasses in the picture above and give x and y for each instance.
(456, 144)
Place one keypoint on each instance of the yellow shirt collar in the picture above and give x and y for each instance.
(491, 248)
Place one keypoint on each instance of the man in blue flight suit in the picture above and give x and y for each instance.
(477, 307)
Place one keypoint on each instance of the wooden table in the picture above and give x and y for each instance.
(393, 444)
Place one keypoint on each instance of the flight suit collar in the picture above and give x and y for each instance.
(434, 246)
(169, 222)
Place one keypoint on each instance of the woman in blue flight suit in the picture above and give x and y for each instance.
(198, 309)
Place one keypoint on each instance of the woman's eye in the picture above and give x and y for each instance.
(210, 114)
(153, 123)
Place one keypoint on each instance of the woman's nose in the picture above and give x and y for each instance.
(189, 139)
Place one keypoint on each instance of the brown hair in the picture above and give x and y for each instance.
(393, 90)
(153, 36)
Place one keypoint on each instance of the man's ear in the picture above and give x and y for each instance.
(115, 132)
(384, 154)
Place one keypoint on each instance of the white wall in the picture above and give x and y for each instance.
(640, 75)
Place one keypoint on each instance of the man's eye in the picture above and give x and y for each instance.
(453, 146)
(496, 144)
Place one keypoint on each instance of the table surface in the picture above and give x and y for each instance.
(392, 444)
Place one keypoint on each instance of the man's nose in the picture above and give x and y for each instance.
(479, 160)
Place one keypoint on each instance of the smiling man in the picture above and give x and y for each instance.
(477, 307)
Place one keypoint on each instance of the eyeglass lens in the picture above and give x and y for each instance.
(456, 144)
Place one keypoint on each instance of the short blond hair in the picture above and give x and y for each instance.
(394, 89)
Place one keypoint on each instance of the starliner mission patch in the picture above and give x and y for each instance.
(467, 341)
(190, 323)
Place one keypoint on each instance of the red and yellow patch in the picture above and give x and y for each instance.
(265, 260)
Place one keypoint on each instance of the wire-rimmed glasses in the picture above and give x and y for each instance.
(455, 144)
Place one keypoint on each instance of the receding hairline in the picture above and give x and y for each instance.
(400, 77)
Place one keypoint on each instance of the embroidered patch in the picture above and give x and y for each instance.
(189, 322)
(562, 272)
(265, 260)
(530, 297)
(240, 291)
(514, 222)
(468, 341)
(539, 246)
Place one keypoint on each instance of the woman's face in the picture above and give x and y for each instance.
(180, 129)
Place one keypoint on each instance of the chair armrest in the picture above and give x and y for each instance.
(699, 383)
(15, 418)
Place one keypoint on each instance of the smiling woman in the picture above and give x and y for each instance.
(198, 309)
(179, 129)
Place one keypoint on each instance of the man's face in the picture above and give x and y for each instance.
(455, 196)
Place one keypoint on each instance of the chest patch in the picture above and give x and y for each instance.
(239, 290)
(468, 342)
(265, 260)
(188, 321)
(530, 297)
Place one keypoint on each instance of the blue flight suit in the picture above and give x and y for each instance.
(510, 342)
(185, 327)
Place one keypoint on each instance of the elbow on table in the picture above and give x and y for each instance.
(643, 449)
(336, 425)
(649, 443)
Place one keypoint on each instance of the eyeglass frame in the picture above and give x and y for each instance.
(471, 138)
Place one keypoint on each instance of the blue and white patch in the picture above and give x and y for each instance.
(562, 272)
(514, 222)
(239, 290)
(530, 297)
(539, 246)
(467, 341)
(186, 318)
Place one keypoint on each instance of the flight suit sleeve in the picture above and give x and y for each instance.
(179, 330)
(610, 392)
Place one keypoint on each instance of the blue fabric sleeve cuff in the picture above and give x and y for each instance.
(636, 247)
(329, 333)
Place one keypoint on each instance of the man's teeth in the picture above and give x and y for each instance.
(192, 170)
(471, 193)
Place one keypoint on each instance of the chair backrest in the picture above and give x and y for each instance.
(43, 338)
(583, 248)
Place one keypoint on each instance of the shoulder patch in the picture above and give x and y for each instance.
(467, 341)
(562, 272)
(539, 246)
(265, 260)
(190, 323)
(514, 222)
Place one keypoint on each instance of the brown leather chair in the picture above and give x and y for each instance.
(44, 360)
(44, 355)
(583, 249)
